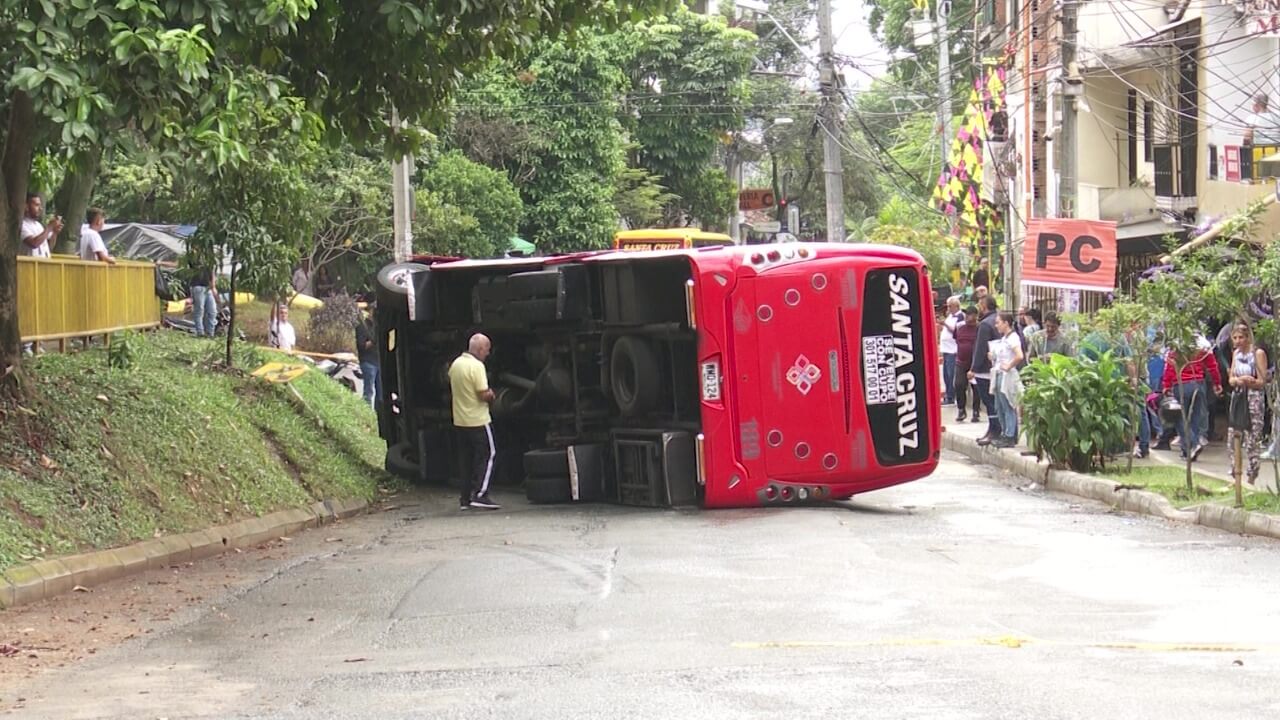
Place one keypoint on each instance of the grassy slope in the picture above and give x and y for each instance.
(174, 446)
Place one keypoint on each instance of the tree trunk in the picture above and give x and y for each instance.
(72, 198)
(780, 211)
(231, 323)
(15, 170)
(1186, 425)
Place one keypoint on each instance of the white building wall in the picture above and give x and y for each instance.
(1233, 68)
(1109, 24)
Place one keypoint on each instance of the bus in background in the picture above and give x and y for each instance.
(668, 239)
(721, 377)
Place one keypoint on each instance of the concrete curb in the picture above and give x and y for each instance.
(1104, 490)
(25, 584)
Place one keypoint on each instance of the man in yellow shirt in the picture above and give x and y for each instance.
(469, 384)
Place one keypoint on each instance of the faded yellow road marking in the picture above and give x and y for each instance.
(1006, 641)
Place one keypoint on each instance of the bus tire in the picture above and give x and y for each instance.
(547, 463)
(393, 281)
(634, 375)
(400, 461)
(548, 490)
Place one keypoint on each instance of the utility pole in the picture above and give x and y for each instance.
(941, 13)
(401, 200)
(1071, 88)
(831, 121)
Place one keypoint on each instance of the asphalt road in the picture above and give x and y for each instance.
(955, 597)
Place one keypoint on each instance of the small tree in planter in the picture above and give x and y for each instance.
(1075, 408)
(1206, 283)
(1124, 325)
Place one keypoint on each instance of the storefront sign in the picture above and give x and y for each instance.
(755, 199)
(1262, 17)
(1072, 254)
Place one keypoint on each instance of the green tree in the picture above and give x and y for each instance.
(258, 212)
(481, 192)
(688, 82)
(568, 92)
(939, 251)
(169, 68)
(444, 229)
(639, 198)
(353, 210)
(138, 189)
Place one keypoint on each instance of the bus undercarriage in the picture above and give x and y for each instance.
(594, 367)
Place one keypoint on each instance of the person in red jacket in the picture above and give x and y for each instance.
(1188, 386)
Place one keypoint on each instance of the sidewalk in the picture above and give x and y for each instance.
(1215, 460)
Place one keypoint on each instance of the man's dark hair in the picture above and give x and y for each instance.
(971, 310)
(32, 196)
(988, 304)
(1052, 317)
(93, 214)
(1034, 314)
(1007, 317)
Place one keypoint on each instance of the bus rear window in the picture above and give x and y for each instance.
(894, 366)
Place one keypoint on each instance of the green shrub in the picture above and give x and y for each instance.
(124, 349)
(331, 328)
(1075, 409)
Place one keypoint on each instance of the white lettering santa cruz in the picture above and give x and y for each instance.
(908, 416)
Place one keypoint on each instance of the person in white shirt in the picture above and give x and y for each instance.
(302, 277)
(947, 346)
(1262, 127)
(281, 333)
(92, 247)
(1006, 355)
(36, 236)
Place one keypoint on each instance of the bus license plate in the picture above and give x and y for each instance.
(711, 381)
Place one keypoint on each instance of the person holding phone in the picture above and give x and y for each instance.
(35, 235)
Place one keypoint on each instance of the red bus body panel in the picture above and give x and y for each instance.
(791, 421)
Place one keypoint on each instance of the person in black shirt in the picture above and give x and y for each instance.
(204, 300)
(367, 349)
(980, 367)
(982, 276)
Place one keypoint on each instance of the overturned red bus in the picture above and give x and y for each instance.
(725, 376)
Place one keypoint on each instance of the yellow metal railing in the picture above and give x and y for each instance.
(66, 297)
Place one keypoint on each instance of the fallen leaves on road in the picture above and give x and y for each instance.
(79, 588)
(333, 539)
(356, 660)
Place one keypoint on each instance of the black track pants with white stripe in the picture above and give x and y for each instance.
(477, 452)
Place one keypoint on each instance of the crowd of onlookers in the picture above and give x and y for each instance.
(983, 351)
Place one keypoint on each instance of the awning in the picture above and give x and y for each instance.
(1146, 237)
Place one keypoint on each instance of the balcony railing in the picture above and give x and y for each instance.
(1175, 188)
(65, 297)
